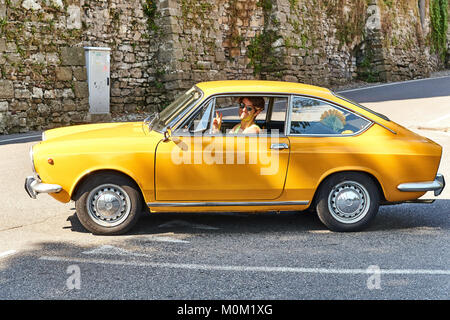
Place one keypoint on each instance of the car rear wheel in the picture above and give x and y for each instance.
(108, 204)
(347, 201)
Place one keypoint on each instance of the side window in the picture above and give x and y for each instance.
(271, 118)
(316, 117)
(199, 122)
(229, 108)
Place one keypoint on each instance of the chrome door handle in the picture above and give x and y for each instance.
(279, 146)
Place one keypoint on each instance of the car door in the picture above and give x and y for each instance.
(196, 164)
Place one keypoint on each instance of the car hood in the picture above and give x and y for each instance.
(95, 131)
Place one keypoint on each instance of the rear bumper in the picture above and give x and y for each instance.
(34, 186)
(437, 185)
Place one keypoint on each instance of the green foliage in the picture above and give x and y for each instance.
(439, 24)
(196, 15)
(266, 5)
(366, 71)
(195, 12)
(3, 23)
(261, 51)
(151, 11)
(293, 4)
(388, 3)
(349, 26)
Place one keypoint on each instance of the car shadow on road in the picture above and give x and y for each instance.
(230, 222)
(401, 217)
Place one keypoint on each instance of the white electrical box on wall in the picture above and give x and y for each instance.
(98, 75)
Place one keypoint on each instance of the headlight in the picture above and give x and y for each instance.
(43, 136)
(32, 160)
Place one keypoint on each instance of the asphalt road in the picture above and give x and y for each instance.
(46, 254)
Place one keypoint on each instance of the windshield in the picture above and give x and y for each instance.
(176, 108)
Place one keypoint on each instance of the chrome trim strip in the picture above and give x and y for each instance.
(379, 115)
(368, 110)
(226, 204)
(287, 119)
(437, 185)
(279, 146)
(33, 167)
(28, 189)
(34, 186)
(333, 136)
(185, 113)
(381, 125)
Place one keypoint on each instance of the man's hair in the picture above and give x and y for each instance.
(258, 102)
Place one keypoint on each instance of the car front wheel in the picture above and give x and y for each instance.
(347, 201)
(108, 204)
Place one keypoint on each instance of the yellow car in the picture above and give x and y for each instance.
(238, 146)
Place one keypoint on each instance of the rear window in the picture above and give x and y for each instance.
(316, 117)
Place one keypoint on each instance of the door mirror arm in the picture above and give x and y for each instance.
(167, 134)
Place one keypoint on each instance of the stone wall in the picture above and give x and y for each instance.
(42, 60)
(159, 48)
(328, 43)
(403, 41)
(43, 72)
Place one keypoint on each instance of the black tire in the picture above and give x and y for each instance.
(347, 201)
(115, 204)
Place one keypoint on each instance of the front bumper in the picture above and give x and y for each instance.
(34, 186)
(437, 185)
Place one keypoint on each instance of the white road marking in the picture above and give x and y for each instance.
(320, 231)
(165, 239)
(7, 253)
(391, 84)
(112, 251)
(242, 268)
(20, 138)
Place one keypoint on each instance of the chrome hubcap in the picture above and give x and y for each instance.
(349, 202)
(108, 205)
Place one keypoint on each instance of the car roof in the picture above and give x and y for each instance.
(266, 87)
(260, 86)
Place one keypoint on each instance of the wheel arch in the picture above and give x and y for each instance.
(369, 174)
(87, 175)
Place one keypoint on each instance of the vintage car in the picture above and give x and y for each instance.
(311, 149)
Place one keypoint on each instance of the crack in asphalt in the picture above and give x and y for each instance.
(30, 224)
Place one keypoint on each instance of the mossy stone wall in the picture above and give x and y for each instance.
(160, 48)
